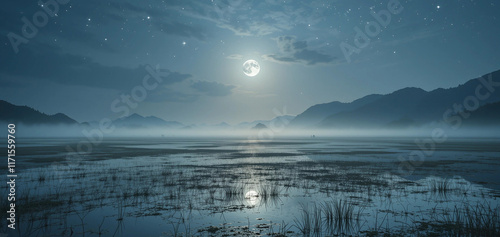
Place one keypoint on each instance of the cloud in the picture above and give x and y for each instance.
(293, 51)
(244, 18)
(73, 21)
(254, 18)
(235, 57)
(48, 64)
(192, 92)
(169, 95)
(213, 88)
(162, 17)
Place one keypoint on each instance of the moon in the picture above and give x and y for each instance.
(251, 68)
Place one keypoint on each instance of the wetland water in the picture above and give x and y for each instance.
(241, 187)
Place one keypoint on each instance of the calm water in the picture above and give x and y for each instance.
(205, 187)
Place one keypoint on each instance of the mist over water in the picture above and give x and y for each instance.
(255, 186)
(267, 133)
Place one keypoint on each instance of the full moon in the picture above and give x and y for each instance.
(251, 68)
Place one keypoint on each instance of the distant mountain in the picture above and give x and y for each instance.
(412, 103)
(259, 126)
(138, 121)
(403, 108)
(23, 114)
(277, 122)
(222, 125)
(488, 114)
(386, 109)
(316, 113)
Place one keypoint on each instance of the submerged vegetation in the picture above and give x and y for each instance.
(195, 194)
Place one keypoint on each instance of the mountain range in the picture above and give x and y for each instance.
(138, 121)
(23, 114)
(277, 122)
(17, 114)
(486, 115)
(10, 113)
(408, 107)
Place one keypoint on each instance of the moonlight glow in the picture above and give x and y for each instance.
(252, 197)
(251, 68)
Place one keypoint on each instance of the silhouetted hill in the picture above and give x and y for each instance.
(23, 114)
(278, 122)
(386, 109)
(222, 125)
(317, 113)
(436, 102)
(259, 126)
(416, 104)
(138, 121)
(488, 114)
(402, 108)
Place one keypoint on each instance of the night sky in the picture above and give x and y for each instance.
(93, 52)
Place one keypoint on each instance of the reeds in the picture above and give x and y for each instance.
(335, 217)
(440, 186)
(233, 193)
(303, 223)
(208, 190)
(470, 220)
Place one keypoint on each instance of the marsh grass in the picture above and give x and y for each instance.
(269, 194)
(469, 220)
(341, 216)
(165, 190)
(42, 176)
(304, 221)
(283, 230)
(440, 186)
(336, 217)
(234, 194)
